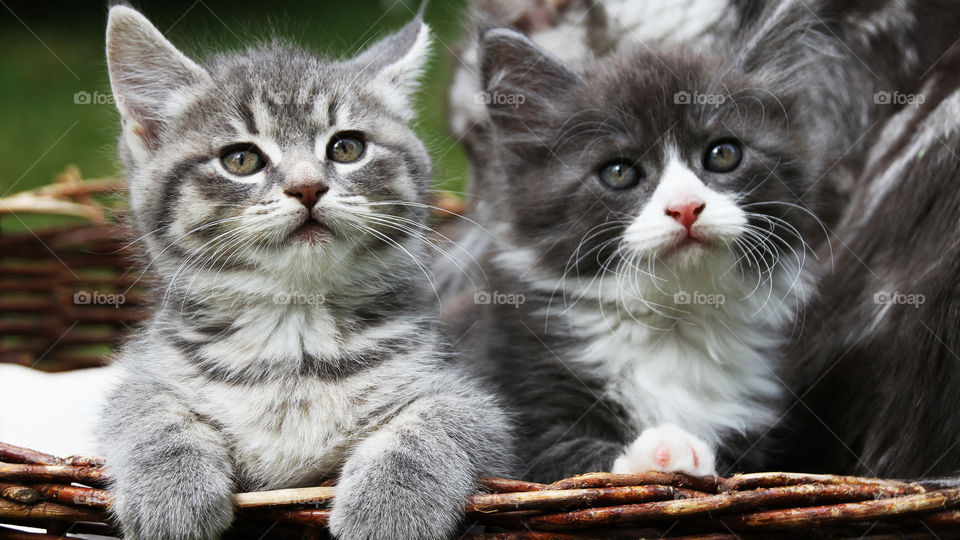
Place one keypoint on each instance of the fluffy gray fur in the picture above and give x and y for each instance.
(279, 355)
(875, 369)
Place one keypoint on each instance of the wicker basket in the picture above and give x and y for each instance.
(46, 321)
(66, 495)
(56, 283)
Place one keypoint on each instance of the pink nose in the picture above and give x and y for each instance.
(308, 192)
(686, 213)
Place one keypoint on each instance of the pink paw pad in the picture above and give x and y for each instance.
(667, 448)
(661, 456)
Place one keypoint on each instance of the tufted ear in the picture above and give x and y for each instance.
(147, 74)
(397, 62)
(521, 81)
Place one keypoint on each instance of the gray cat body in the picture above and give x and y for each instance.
(875, 369)
(281, 198)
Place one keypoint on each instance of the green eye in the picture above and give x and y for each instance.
(723, 157)
(345, 147)
(620, 175)
(243, 161)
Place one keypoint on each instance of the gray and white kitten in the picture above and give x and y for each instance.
(281, 198)
(652, 255)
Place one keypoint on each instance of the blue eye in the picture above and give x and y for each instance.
(620, 175)
(723, 157)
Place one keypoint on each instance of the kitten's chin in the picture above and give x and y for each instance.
(687, 251)
(311, 232)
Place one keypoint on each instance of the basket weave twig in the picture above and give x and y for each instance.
(60, 495)
(51, 286)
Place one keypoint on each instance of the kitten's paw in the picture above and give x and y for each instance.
(368, 516)
(155, 513)
(377, 501)
(667, 448)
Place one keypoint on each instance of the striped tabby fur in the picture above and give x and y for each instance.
(292, 342)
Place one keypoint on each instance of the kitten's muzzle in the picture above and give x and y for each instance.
(308, 193)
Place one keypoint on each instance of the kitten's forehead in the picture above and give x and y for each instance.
(659, 94)
(285, 95)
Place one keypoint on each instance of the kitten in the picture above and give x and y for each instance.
(281, 198)
(876, 365)
(656, 206)
(835, 57)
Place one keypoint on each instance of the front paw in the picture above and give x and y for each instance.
(187, 512)
(376, 502)
(668, 448)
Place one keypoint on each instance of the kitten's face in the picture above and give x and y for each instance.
(272, 155)
(646, 160)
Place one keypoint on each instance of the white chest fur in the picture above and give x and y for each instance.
(710, 380)
(286, 434)
(707, 363)
(708, 367)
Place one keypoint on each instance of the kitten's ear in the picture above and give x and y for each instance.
(147, 74)
(521, 81)
(396, 63)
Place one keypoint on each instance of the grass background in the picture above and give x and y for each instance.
(51, 51)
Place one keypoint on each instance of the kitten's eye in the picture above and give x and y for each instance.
(723, 157)
(243, 161)
(345, 147)
(620, 175)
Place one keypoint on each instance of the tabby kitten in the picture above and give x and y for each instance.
(281, 199)
(652, 255)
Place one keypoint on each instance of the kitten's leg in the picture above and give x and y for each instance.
(667, 448)
(410, 478)
(170, 471)
(558, 459)
(578, 435)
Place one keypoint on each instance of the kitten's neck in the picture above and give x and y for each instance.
(257, 333)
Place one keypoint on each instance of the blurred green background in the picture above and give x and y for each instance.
(50, 51)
